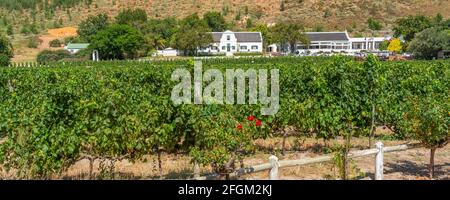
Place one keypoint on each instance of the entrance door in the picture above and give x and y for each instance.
(228, 47)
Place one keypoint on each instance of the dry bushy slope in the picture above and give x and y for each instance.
(330, 14)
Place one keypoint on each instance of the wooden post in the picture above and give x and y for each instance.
(273, 174)
(379, 161)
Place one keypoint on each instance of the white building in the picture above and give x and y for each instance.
(74, 48)
(337, 42)
(168, 52)
(229, 42)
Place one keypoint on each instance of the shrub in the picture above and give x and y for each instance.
(34, 42)
(55, 43)
(4, 60)
(429, 42)
(52, 56)
(248, 54)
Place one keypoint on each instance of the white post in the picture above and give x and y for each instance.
(379, 161)
(95, 55)
(367, 43)
(273, 174)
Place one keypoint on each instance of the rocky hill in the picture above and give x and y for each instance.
(316, 15)
(326, 14)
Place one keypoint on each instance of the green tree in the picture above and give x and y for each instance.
(29, 29)
(6, 51)
(92, 25)
(429, 120)
(267, 37)
(5, 46)
(374, 25)
(132, 17)
(194, 33)
(4, 60)
(288, 33)
(429, 42)
(117, 42)
(238, 16)
(215, 20)
(160, 33)
(249, 23)
(410, 25)
(384, 45)
(55, 43)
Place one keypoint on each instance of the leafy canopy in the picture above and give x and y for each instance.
(118, 42)
(411, 25)
(429, 42)
(194, 33)
(132, 17)
(288, 33)
(215, 20)
(374, 25)
(92, 25)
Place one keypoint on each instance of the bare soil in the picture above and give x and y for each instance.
(404, 165)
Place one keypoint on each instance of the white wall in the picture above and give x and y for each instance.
(73, 51)
(222, 47)
(168, 52)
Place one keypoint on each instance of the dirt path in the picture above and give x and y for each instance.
(404, 165)
(24, 54)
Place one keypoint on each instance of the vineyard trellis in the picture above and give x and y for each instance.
(53, 114)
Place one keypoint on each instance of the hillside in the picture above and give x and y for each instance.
(331, 14)
(325, 15)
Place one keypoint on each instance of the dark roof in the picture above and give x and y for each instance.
(327, 36)
(217, 36)
(248, 37)
(77, 45)
(240, 36)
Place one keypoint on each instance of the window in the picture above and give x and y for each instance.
(233, 47)
(254, 47)
(223, 47)
(377, 45)
(228, 37)
(213, 48)
(243, 47)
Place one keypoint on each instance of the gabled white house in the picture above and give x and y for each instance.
(229, 42)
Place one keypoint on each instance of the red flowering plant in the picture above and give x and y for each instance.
(254, 126)
(226, 139)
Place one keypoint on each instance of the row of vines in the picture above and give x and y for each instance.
(51, 117)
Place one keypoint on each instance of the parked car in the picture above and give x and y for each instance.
(360, 55)
(407, 56)
(384, 55)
